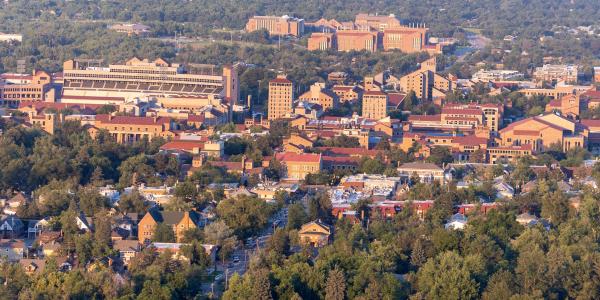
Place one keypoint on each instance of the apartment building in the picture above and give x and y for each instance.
(85, 82)
(496, 75)
(425, 82)
(557, 92)
(284, 25)
(569, 105)
(374, 105)
(17, 88)
(281, 95)
(347, 93)
(567, 73)
(319, 94)
(427, 172)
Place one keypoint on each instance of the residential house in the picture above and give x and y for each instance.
(128, 249)
(315, 234)
(427, 172)
(12, 250)
(11, 226)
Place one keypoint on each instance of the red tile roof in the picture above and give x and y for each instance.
(394, 99)
(339, 151)
(374, 93)
(132, 120)
(464, 111)
(39, 105)
(590, 123)
(429, 118)
(470, 140)
(196, 118)
(280, 80)
(182, 146)
(341, 160)
(295, 157)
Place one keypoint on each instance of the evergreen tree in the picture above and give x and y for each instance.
(336, 285)
(418, 256)
(262, 285)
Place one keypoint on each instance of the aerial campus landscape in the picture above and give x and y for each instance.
(253, 149)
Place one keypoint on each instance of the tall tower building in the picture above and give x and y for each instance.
(281, 95)
(374, 105)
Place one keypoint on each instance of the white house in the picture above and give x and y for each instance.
(504, 190)
(457, 221)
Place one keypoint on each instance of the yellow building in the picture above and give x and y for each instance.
(320, 95)
(16, 88)
(281, 95)
(543, 131)
(297, 143)
(315, 234)
(297, 166)
(425, 82)
(507, 153)
(374, 105)
(347, 93)
(126, 129)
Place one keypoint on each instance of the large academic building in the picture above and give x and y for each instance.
(92, 84)
(275, 25)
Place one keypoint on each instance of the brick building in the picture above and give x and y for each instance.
(284, 25)
(180, 221)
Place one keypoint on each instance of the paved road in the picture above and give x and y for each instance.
(243, 253)
(477, 42)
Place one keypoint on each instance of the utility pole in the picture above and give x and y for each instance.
(226, 277)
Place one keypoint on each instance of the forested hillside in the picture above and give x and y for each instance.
(496, 17)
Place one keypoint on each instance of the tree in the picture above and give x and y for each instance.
(296, 216)
(450, 276)
(410, 101)
(478, 156)
(262, 285)
(555, 207)
(163, 233)
(418, 256)
(196, 254)
(245, 214)
(336, 285)
(218, 233)
(186, 190)
(132, 203)
(371, 166)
